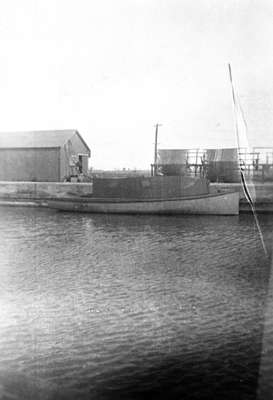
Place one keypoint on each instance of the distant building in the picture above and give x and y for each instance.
(217, 164)
(223, 165)
(45, 156)
(172, 161)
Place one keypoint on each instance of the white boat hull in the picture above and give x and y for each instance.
(213, 204)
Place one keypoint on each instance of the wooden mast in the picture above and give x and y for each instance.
(155, 151)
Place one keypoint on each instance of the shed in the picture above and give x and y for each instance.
(44, 156)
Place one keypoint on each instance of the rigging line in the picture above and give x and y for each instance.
(254, 212)
(242, 111)
(245, 185)
(242, 175)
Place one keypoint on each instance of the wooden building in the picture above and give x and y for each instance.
(42, 156)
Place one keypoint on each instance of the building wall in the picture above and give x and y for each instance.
(64, 163)
(39, 164)
(73, 147)
(85, 165)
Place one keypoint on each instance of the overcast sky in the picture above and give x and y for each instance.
(113, 68)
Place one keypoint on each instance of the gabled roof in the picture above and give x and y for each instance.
(38, 139)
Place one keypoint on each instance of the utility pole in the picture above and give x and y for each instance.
(155, 154)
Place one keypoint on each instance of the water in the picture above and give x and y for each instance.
(113, 307)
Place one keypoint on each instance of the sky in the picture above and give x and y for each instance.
(113, 69)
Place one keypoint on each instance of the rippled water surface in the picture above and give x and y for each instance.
(113, 307)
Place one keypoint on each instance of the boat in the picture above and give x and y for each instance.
(213, 204)
(157, 194)
(152, 195)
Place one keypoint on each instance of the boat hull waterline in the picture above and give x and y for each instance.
(211, 204)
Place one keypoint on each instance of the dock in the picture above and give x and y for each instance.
(262, 194)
